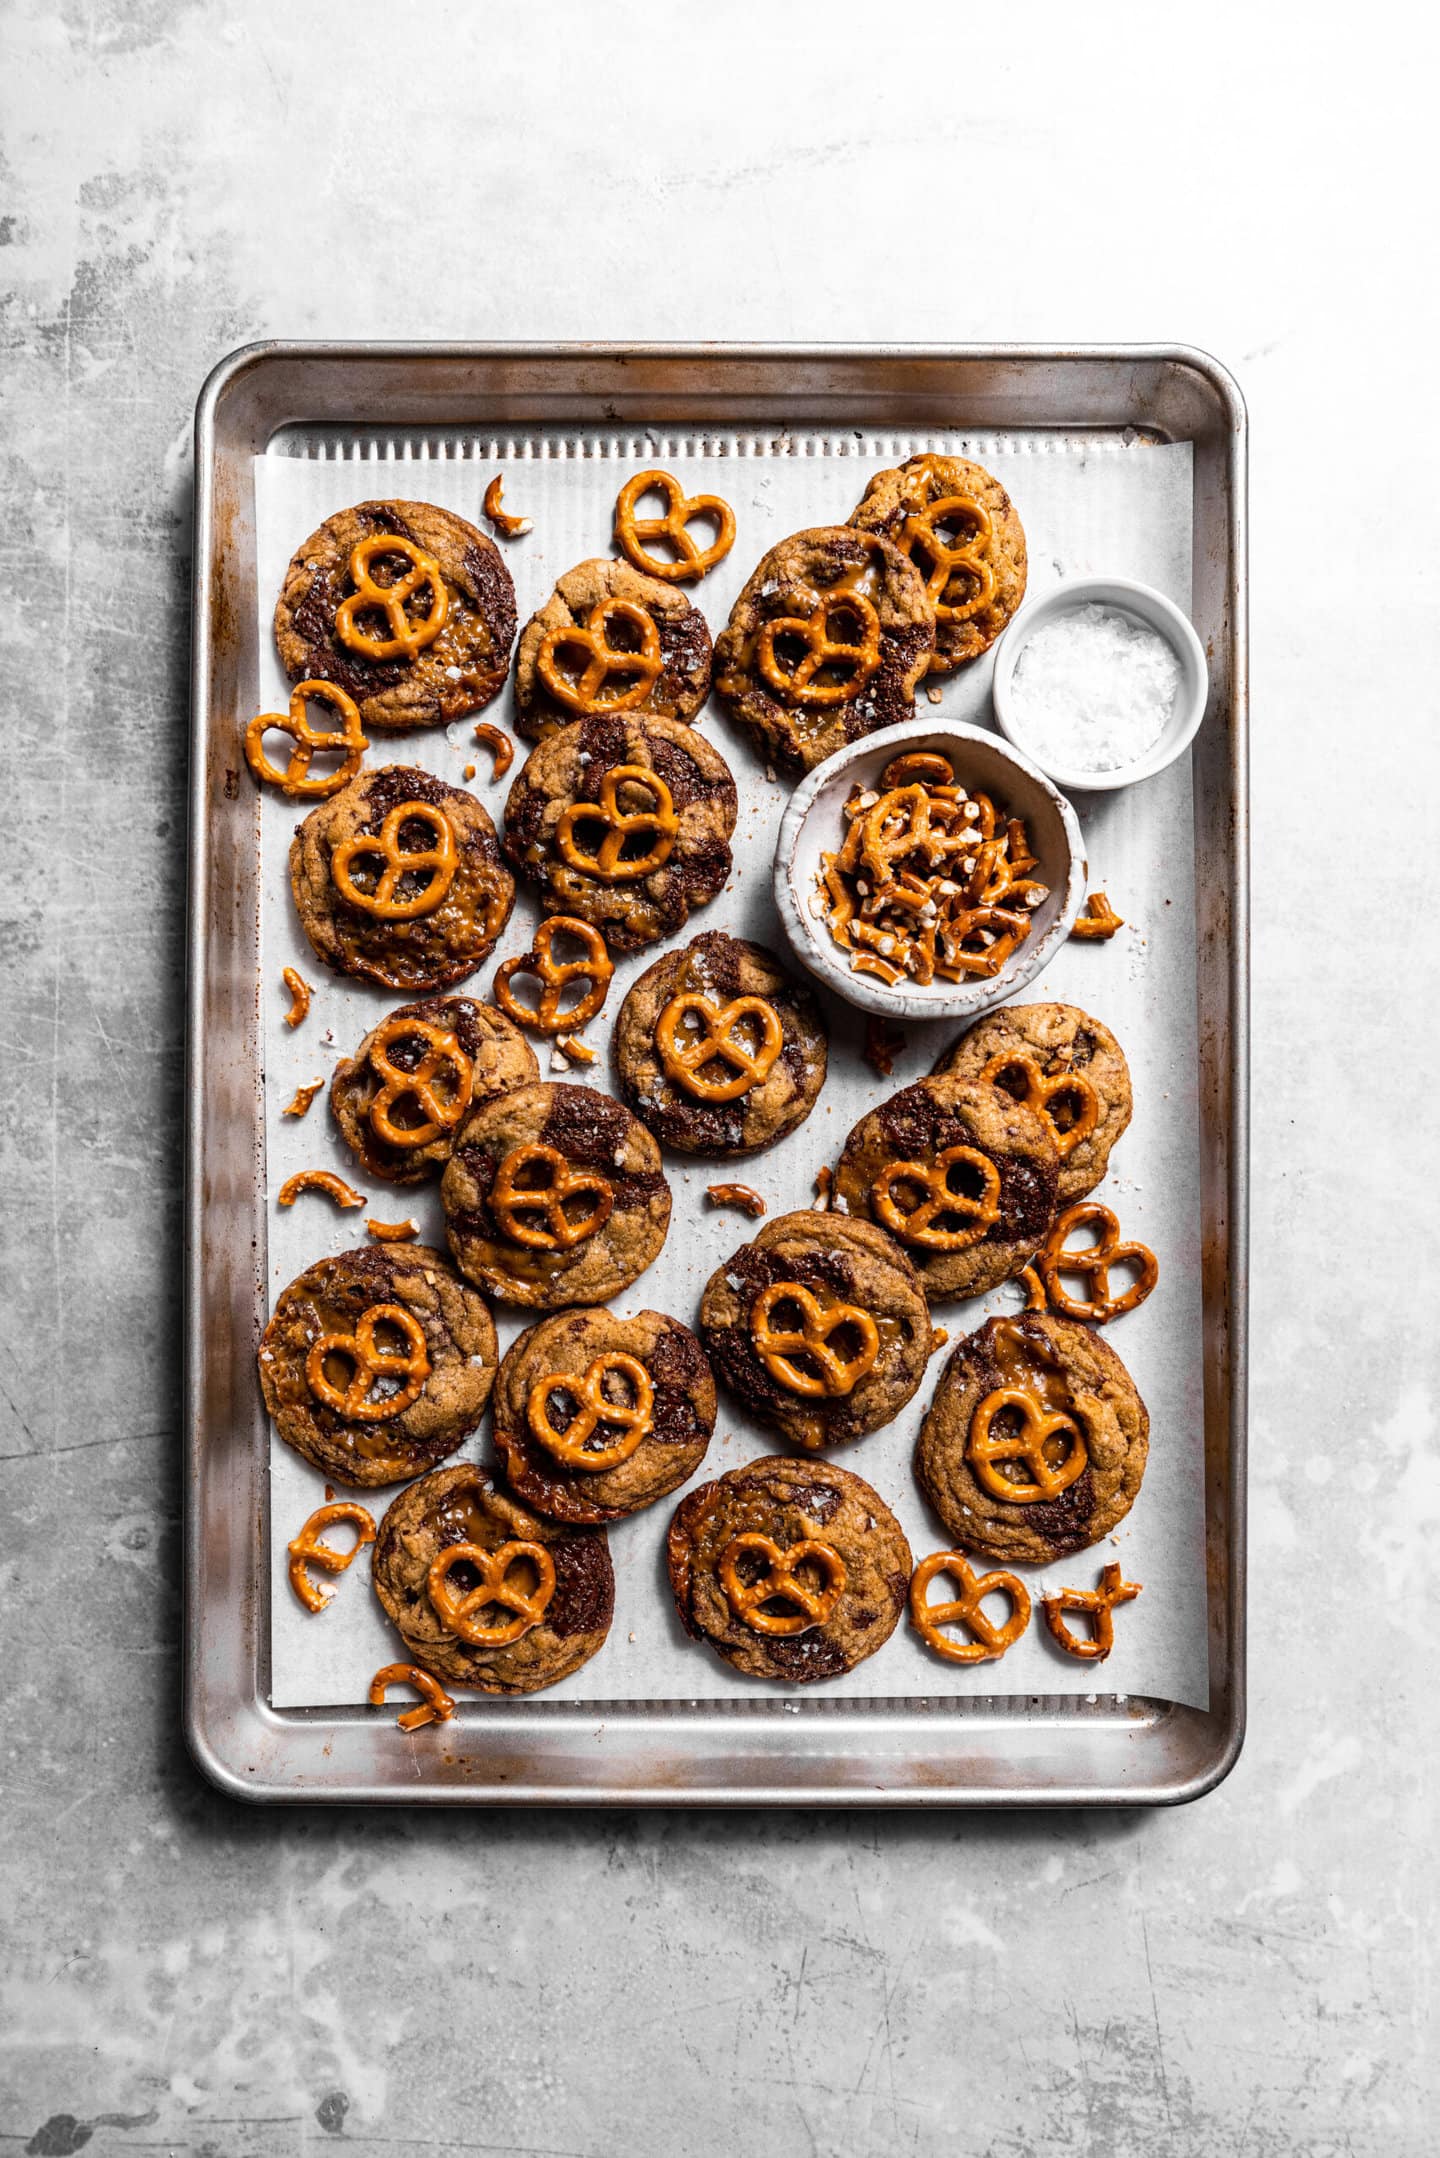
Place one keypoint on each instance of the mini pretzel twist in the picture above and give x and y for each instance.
(1038, 1426)
(435, 1704)
(442, 860)
(1005, 928)
(457, 1611)
(1098, 1605)
(1094, 1262)
(620, 825)
(685, 1062)
(1039, 1092)
(309, 742)
(861, 655)
(945, 559)
(781, 1583)
(406, 638)
(596, 966)
(990, 1641)
(933, 1178)
(834, 1375)
(591, 1408)
(692, 561)
(370, 1363)
(306, 1549)
(587, 694)
(443, 1110)
(509, 1199)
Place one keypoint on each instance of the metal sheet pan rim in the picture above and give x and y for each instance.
(213, 1727)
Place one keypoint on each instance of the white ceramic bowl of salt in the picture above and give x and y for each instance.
(1101, 683)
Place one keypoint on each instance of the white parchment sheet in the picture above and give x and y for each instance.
(1090, 504)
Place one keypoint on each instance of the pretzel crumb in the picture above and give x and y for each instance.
(743, 1196)
(299, 990)
(469, 772)
(393, 1232)
(577, 1051)
(507, 526)
(883, 1043)
(300, 1101)
(1098, 921)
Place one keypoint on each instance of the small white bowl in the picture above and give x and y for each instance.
(814, 824)
(1143, 604)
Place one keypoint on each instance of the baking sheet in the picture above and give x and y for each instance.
(1091, 503)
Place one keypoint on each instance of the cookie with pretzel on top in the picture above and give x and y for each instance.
(1059, 1060)
(954, 521)
(719, 1051)
(404, 606)
(485, 1593)
(597, 1416)
(789, 1570)
(623, 821)
(1036, 1441)
(397, 879)
(401, 1098)
(554, 1195)
(377, 1363)
(819, 1327)
(610, 639)
(825, 644)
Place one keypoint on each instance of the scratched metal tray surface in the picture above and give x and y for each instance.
(974, 1751)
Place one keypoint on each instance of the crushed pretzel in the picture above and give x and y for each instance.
(744, 1196)
(299, 990)
(300, 1101)
(883, 1043)
(507, 526)
(322, 1180)
(393, 1232)
(1098, 920)
(500, 746)
(824, 1183)
(577, 1051)
(469, 772)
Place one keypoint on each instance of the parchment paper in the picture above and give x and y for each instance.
(1090, 504)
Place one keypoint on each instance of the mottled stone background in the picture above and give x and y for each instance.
(1254, 1974)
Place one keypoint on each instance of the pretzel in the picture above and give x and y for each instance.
(990, 1641)
(300, 1100)
(441, 860)
(1099, 919)
(435, 1704)
(592, 1408)
(918, 1226)
(306, 1549)
(1098, 1605)
(744, 1196)
(299, 990)
(295, 779)
(919, 531)
(443, 1111)
(607, 865)
(406, 638)
(837, 1375)
(812, 1606)
(508, 1199)
(1038, 1425)
(323, 1180)
(393, 1232)
(546, 1017)
(456, 1613)
(1094, 1261)
(926, 766)
(692, 561)
(798, 685)
(507, 526)
(1004, 931)
(685, 1063)
(499, 744)
(1034, 1288)
(587, 694)
(369, 1364)
(1039, 1092)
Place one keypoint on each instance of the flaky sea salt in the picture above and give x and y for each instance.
(1093, 689)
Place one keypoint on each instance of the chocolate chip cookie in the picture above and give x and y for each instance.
(409, 1086)
(791, 1570)
(1074, 1459)
(719, 1051)
(958, 526)
(820, 1327)
(624, 821)
(323, 623)
(1065, 1064)
(377, 1363)
(398, 879)
(825, 644)
(961, 1173)
(597, 1416)
(561, 1592)
(607, 639)
(554, 1195)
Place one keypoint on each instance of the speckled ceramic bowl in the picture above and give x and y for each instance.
(814, 824)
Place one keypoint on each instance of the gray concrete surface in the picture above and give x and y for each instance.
(1254, 1974)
